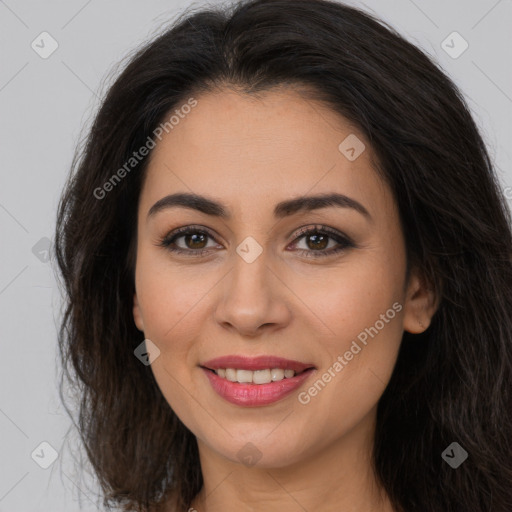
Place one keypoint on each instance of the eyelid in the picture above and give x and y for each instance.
(183, 230)
(309, 228)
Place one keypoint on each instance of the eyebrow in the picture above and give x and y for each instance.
(281, 210)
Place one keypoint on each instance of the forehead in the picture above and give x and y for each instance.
(257, 150)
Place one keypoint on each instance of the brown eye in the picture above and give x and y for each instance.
(318, 241)
(194, 241)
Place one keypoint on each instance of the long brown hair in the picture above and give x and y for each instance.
(451, 383)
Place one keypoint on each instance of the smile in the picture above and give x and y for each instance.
(255, 381)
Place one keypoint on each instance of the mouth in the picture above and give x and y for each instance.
(255, 381)
(256, 370)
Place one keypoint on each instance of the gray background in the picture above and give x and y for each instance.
(45, 105)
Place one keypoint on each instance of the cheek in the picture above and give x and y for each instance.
(342, 301)
(357, 364)
(175, 307)
(357, 311)
(173, 313)
(169, 295)
(171, 316)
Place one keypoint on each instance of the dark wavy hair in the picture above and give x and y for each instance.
(451, 383)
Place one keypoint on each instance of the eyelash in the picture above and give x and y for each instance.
(344, 241)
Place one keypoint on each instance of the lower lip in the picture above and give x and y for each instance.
(251, 395)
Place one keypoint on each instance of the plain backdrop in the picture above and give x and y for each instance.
(46, 103)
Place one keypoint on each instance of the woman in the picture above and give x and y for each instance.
(288, 270)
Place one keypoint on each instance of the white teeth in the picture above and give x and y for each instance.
(277, 374)
(244, 376)
(231, 374)
(255, 377)
(261, 377)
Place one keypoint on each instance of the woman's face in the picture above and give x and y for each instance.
(261, 287)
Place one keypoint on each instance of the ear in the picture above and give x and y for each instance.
(137, 315)
(420, 304)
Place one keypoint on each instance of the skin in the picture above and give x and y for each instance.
(249, 154)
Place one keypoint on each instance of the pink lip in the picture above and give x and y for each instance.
(251, 395)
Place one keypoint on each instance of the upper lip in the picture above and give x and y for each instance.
(256, 363)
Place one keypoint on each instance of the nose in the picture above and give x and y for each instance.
(254, 298)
